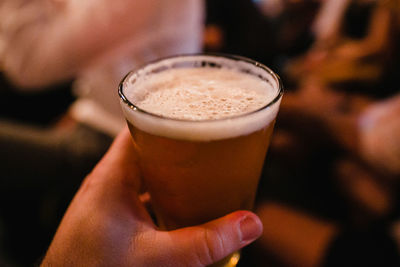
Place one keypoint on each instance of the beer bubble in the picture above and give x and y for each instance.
(196, 93)
(214, 96)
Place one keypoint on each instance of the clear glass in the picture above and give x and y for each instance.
(194, 180)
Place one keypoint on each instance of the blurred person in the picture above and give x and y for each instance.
(107, 224)
(364, 130)
(369, 132)
(44, 42)
(95, 43)
(365, 55)
(326, 26)
(339, 113)
(368, 171)
(347, 116)
(326, 32)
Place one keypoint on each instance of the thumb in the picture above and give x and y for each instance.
(208, 243)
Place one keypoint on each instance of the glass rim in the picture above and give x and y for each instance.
(217, 55)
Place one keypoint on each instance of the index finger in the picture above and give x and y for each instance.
(119, 164)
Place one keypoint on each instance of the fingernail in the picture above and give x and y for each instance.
(250, 228)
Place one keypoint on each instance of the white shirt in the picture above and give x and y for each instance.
(95, 41)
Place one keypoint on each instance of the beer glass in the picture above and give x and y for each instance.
(198, 167)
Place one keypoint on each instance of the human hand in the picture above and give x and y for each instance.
(307, 64)
(106, 224)
(349, 50)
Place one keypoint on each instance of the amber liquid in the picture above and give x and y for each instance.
(192, 182)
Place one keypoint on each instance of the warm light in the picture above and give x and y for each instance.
(234, 259)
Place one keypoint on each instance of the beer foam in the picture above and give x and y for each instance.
(200, 104)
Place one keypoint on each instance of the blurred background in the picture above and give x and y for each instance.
(329, 194)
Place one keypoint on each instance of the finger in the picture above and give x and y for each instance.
(119, 166)
(114, 184)
(208, 243)
(121, 152)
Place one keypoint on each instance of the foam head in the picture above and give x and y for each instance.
(201, 98)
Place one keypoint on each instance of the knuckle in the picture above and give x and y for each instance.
(212, 247)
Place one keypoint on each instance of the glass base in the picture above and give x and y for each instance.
(230, 261)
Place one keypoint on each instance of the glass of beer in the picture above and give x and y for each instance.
(201, 125)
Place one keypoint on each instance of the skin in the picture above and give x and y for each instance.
(107, 224)
(334, 56)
